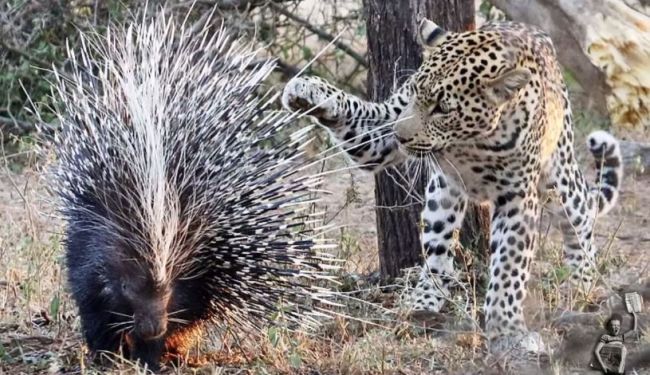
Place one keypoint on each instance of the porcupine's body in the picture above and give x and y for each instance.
(178, 213)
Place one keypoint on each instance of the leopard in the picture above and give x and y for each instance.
(491, 107)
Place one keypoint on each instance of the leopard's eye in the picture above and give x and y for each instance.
(439, 108)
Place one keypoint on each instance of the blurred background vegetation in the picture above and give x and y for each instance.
(604, 46)
(34, 36)
(607, 83)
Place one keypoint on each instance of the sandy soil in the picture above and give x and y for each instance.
(39, 329)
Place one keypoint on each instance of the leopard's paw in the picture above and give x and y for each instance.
(314, 97)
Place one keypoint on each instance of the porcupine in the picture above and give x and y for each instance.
(178, 212)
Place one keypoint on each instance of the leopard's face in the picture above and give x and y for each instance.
(446, 109)
(459, 93)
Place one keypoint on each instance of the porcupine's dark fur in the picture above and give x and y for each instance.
(177, 212)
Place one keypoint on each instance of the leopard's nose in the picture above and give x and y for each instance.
(406, 129)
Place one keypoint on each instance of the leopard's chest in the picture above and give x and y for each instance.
(485, 176)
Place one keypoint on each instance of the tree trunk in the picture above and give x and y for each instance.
(393, 54)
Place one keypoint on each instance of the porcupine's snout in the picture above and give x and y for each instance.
(149, 328)
(151, 322)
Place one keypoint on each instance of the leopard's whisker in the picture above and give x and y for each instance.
(403, 185)
(460, 177)
(361, 135)
(412, 170)
(319, 159)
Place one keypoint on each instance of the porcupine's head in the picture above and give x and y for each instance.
(140, 294)
(182, 206)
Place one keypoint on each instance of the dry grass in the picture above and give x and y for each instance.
(39, 330)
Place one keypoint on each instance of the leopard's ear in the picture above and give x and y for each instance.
(430, 34)
(506, 86)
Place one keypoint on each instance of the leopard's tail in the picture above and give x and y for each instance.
(609, 167)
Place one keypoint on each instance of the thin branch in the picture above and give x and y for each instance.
(41, 63)
(287, 70)
(228, 4)
(625, 238)
(15, 127)
(320, 33)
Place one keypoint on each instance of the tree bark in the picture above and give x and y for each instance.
(393, 54)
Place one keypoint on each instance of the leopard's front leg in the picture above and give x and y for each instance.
(514, 236)
(442, 214)
(363, 129)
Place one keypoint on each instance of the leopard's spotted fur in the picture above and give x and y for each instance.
(492, 107)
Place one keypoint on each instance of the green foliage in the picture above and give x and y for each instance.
(485, 8)
(35, 37)
(55, 305)
(360, 30)
(584, 122)
(307, 54)
(281, 339)
(34, 43)
(21, 75)
(570, 79)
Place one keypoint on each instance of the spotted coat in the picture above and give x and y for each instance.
(491, 107)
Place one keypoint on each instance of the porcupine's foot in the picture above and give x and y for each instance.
(315, 97)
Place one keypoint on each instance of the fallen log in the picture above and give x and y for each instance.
(636, 158)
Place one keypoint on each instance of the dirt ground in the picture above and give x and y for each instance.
(39, 331)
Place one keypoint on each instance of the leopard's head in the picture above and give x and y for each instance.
(461, 89)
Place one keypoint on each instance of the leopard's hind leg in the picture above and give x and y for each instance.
(580, 204)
